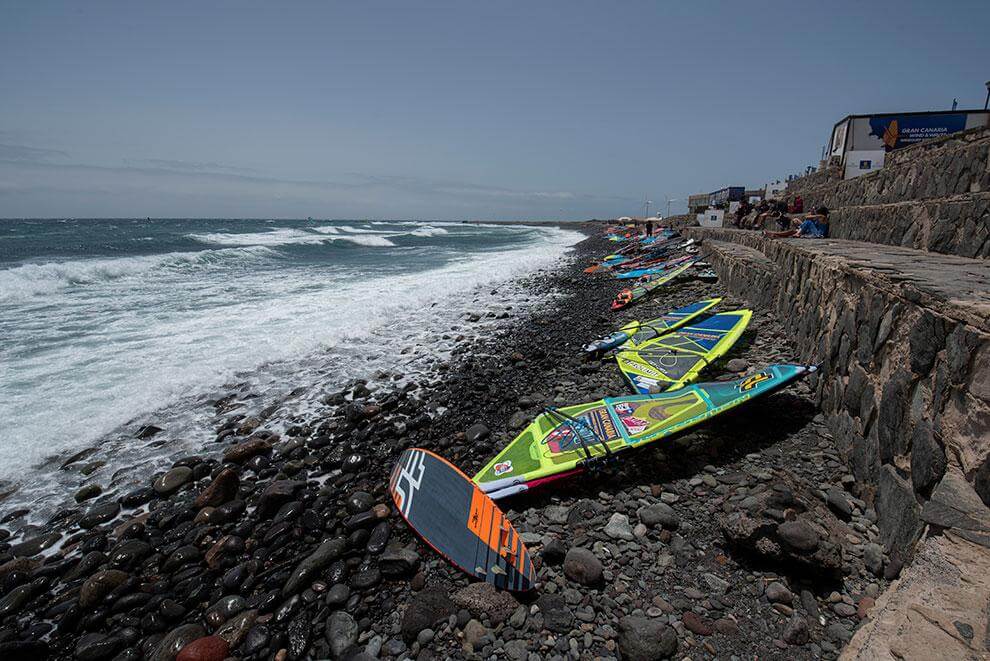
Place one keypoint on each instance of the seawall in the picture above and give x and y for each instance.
(903, 336)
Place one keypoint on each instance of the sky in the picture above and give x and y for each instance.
(453, 110)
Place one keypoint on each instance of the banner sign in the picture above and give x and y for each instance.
(902, 130)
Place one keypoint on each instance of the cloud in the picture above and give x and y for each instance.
(25, 154)
(40, 182)
(191, 166)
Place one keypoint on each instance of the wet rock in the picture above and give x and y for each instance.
(24, 650)
(646, 639)
(796, 632)
(485, 599)
(224, 609)
(277, 494)
(366, 578)
(208, 648)
(236, 628)
(298, 634)
(428, 607)
(148, 431)
(326, 553)
(342, 633)
(244, 451)
(360, 501)
(89, 491)
(171, 481)
(99, 514)
(581, 566)
(137, 497)
(175, 640)
(222, 489)
(94, 646)
(378, 538)
(12, 602)
(99, 585)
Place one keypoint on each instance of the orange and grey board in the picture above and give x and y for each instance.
(454, 517)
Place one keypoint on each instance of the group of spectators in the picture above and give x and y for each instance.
(782, 218)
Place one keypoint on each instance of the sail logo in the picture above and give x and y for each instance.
(502, 467)
(408, 480)
(751, 382)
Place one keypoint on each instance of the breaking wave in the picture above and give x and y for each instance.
(29, 281)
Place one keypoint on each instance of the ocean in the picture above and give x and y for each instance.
(110, 325)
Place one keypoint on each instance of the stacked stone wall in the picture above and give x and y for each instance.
(905, 385)
(932, 196)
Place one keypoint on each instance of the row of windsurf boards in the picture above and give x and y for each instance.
(457, 516)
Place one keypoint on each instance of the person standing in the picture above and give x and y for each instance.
(649, 227)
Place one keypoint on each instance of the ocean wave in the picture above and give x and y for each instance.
(429, 231)
(327, 229)
(27, 281)
(360, 230)
(277, 237)
(366, 240)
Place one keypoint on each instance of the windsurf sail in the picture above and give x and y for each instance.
(629, 296)
(636, 332)
(550, 447)
(674, 359)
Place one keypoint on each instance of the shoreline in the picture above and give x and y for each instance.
(290, 544)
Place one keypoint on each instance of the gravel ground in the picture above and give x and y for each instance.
(739, 540)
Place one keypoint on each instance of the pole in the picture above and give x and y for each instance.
(986, 103)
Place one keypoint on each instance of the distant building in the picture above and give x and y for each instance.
(860, 142)
(775, 190)
(697, 203)
(726, 195)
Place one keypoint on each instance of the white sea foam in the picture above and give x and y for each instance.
(30, 281)
(429, 231)
(142, 349)
(366, 240)
(277, 237)
(327, 229)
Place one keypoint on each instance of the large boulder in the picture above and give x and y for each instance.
(646, 639)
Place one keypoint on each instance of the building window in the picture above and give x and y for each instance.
(865, 165)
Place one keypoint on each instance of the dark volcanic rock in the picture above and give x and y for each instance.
(428, 607)
(242, 452)
(208, 648)
(326, 553)
(581, 566)
(798, 535)
(646, 639)
(222, 489)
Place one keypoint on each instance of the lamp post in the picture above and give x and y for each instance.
(669, 200)
(986, 103)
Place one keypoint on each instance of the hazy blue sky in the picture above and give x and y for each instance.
(454, 110)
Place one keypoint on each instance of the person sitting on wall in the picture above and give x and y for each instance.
(744, 208)
(814, 226)
(798, 205)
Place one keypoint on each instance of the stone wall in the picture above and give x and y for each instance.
(931, 196)
(905, 349)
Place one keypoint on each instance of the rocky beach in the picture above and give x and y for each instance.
(735, 541)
